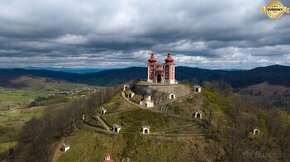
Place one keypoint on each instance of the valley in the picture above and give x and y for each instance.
(73, 115)
(19, 105)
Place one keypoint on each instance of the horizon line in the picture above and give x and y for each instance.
(108, 68)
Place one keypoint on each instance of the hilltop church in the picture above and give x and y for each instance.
(160, 81)
(161, 73)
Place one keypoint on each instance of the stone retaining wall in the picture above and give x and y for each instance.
(178, 89)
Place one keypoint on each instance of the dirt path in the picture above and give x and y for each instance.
(159, 133)
(103, 122)
(120, 111)
(180, 98)
(57, 153)
(199, 103)
(98, 129)
(158, 111)
(175, 100)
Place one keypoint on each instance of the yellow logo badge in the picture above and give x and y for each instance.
(275, 9)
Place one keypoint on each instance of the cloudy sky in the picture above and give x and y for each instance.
(224, 34)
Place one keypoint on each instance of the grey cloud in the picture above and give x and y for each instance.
(213, 34)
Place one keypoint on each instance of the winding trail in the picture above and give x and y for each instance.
(120, 111)
(158, 111)
(160, 133)
(180, 98)
(103, 122)
(57, 153)
(167, 102)
(97, 128)
(153, 134)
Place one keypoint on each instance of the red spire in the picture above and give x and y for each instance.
(169, 59)
(152, 59)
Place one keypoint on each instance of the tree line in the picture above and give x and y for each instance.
(232, 133)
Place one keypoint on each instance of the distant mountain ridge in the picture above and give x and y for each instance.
(275, 74)
(69, 70)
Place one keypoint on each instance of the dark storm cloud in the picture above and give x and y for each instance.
(75, 33)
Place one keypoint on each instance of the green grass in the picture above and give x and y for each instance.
(21, 114)
(14, 111)
(134, 120)
(11, 116)
(16, 98)
(186, 107)
(12, 121)
(214, 101)
(116, 104)
(18, 95)
(6, 145)
(89, 146)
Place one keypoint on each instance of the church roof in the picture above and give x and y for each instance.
(169, 59)
(152, 59)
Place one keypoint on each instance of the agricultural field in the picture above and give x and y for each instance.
(15, 98)
(13, 115)
(19, 105)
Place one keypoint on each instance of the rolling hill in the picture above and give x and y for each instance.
(275, 74)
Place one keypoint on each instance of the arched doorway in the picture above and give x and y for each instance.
(256, 132)
(198, 115)
(172, 96)
(126, 87)
(146, 131)
(159, 78)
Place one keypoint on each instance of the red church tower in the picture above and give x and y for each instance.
(152, 64)
(170, 69)
(161, 73)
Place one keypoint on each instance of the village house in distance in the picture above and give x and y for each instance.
(160, 85)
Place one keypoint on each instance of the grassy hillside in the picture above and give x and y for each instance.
(173, 136)
(93, 146)
(39, 83)
(224, 133)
